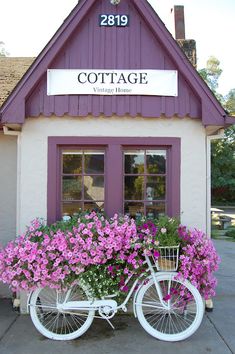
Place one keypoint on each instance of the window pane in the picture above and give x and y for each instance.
(156, 161)
(71, 208)
(155, 188)
(155, 210)
(134, 161)
(94, 162)
(90, 206)
(134, 209)
(72, 188)
(134, 188)
(94, 187)
(72, 162)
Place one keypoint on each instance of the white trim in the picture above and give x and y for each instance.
(220, 135)
(7, 131)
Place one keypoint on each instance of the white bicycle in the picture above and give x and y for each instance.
(168, 308)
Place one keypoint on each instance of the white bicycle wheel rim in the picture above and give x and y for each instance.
(163, 336)
(55, 336)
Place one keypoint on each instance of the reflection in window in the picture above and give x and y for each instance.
(134, 161)
(145, 182)
(156, 161)
(82, 181)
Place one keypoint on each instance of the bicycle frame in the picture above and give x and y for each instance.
(96, 304)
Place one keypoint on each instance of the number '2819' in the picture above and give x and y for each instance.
(113, 20)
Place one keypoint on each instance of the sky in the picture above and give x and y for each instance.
(27, 25)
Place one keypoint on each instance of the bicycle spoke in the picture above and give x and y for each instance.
(178, 316)
(52, 321)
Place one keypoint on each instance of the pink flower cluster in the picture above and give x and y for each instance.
(56, 258)
(57, 255)
(198, 261)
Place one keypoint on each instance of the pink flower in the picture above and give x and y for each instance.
(167, 297)
(125, 289)
(156, 254)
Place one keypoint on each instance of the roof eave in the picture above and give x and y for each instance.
(21, 90)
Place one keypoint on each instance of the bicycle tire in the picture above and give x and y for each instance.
(54, 323)
(185, 313)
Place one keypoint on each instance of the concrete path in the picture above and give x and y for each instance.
(216, 334)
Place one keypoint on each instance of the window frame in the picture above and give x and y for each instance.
(83, 174)
(146, 174)
(114, 147)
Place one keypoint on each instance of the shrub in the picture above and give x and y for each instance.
(230, 232)
(198, 261)
(103, 253)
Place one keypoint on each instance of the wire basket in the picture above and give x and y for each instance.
(168, 259)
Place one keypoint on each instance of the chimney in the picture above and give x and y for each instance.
(187, 45)
(179, 22)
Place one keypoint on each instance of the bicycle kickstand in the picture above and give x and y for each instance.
(110, 323)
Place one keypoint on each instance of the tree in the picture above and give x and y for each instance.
(230, 102)
(222, 151)
(3, 52)
(211, 75)
(223, 168)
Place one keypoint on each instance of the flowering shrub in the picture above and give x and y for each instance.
(56, 256)
(161, 232)
(102, 253)
(198, 261)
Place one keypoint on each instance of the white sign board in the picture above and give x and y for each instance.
(112, 82)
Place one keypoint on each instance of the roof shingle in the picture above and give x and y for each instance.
(11, 71)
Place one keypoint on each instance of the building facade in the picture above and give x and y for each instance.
(110, 116)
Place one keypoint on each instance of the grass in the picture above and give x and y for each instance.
(220, 235)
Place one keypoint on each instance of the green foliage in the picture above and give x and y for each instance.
(171, 236)
(230, 102)
(231, 232)
(3, 52)
(164, 230)
(222, 151)
(223, 167)
(103, 282)
(211, 74)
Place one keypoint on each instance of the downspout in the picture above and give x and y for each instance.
(220, 135)
(10, 132)
(7, 131)
(209, 139)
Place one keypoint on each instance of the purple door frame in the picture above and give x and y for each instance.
(113, 180)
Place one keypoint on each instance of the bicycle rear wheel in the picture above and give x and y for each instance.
(57, 324)
(181, 316)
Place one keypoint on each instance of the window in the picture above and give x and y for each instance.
(82, 181)
(145, 182)
(138, 176)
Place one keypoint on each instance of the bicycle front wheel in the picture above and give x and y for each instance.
(57, 324)
(175, 318)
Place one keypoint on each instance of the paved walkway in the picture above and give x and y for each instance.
(216, 334)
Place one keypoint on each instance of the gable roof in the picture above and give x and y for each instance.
(75, 44)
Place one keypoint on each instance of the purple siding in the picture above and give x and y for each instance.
(81, 43)
(133, 47)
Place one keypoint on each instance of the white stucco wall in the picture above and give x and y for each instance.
(8, 166)
(33, 167)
